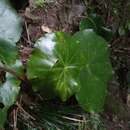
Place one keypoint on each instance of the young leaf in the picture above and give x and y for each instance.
(10, 31)
(87, 24)
(95, 22)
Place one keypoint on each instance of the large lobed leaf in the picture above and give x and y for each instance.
(55, 62)
(77, 64)
(10, 31)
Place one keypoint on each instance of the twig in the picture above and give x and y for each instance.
(15, 111)
(12, 72)
(73, 119)
(29, 116)
(28, 36)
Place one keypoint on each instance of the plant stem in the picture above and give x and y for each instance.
(12, 72)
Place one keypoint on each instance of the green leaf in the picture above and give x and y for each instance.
(106, 33)
(8, 52)
(10, 31)
(10, 23)
(96, 72)
(70, 62)
(3, 116)
(87, 24)
(97, 19)
(9, 90)
(8, 93)
(56, 58)
(95, 22)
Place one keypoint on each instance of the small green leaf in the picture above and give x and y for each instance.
(95, 22)
(3, 116)
(106, 33)
(8, 93)
(97, 19)
(87, 24)
(10, 31)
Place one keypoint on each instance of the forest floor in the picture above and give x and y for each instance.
(65, 15)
